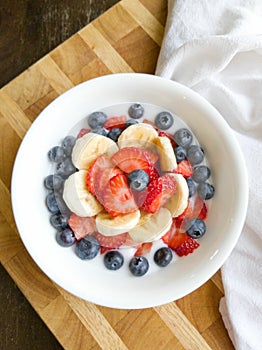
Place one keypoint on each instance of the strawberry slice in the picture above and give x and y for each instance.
(179, 241)
(133, 158)
(102, 179)
(140, 197)
(115, 122)
(131, 243)
(185, 168)
(104, 249)
(159, 191)
(196, 208)
(187, 247)
(82, 132)
(90, 177)
(164, 133)
(143, 249)
(111, 242)
(118, 198)
(151, 156)
(99, 174)
(82, 226)
(153, 172)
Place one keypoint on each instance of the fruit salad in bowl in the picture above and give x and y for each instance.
(132, 191)
(125, 182)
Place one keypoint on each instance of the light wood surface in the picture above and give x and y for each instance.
(126, 38)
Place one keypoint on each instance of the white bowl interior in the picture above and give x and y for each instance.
(89, 279)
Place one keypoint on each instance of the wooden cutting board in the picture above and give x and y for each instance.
(126, 38)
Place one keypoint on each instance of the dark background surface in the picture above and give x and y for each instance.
(29, 29)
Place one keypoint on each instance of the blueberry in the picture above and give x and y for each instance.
(87, 248)
(65, 238)
(48, 182)
(138, 266)
(180, 153)
(100, 131)
(163, 256)
(191, 187)
(136, 111)
(56, 154)
(195, 154)
(183, 137)
(96, 120)
(196, 228)
(61, 204)
(205, 190)
(114, 134)
(138, 179)
(65, 168)
(53, 182)
(58, 182)
(164, 120)
(131, 122)
(113, 260)
(59, 221)
(201, 173)
(52, 203)
(68, 144)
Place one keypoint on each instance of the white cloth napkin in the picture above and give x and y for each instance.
(215, 48)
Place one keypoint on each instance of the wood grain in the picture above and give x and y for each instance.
(127, 38)
(104, 50)
(37, 27)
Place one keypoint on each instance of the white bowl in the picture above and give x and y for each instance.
(90, 280)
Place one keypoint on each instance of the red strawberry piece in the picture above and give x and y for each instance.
(99, 174)
(179, 241)
(143, 249)
(152, 171)
(132, 158)
(187, 247)
(130, 242)
(159, 191)
(167, 237)
(118, 198)
(111, 242)
(203, 213)
(113, 213)
(104, 249)
(196, 208)
(115, 122)
(90, 178)
(140, 197)
(152, 156)
(82, 132)
(102, 178)
(82, 226)
(184, 168)
(164, 133)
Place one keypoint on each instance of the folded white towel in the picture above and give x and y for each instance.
(215, 48)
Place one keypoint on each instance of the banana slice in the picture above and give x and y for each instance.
(138, 135)
(178, 202)
(91, 146)
(109, 226)
(77, 197)
(152, 227)
(144, 218)
(166, 153)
